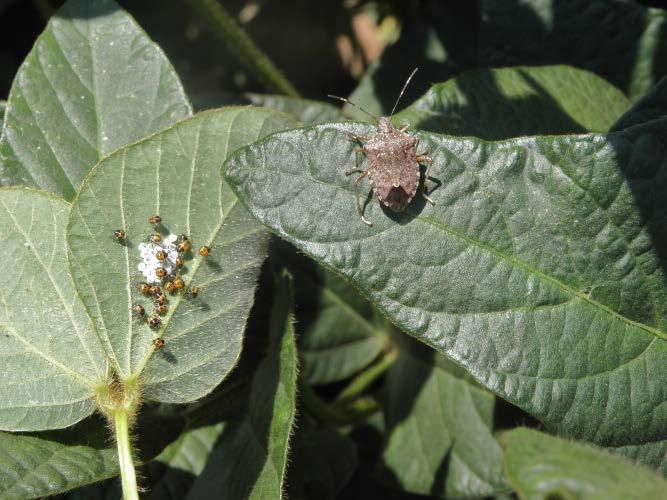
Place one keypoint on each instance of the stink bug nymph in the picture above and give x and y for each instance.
(119, 234)
(155, 220)
(160, 298)
(158, 343)
(393, 162)
(184, 246)
(138, 310)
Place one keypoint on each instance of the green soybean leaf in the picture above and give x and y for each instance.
(306, 111)
(339, 332)
(652, 106)
(92, 83)
(539, 269)
(34, 466)
(46, 463)
(251, 457)
(176, 174)
(569, 33)
(444, 39)
(509, 102)
(52, 359)
(3, 107)
(439, 429)
(175, 469)
(540, 466)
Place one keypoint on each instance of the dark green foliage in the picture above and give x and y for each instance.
(509, 341)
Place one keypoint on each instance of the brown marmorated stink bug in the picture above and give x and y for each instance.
(393, 161)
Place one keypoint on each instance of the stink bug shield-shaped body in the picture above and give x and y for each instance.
(393, 171)
(393, 162)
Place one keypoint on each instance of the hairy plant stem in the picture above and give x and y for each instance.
(127, 473)
(242, 46)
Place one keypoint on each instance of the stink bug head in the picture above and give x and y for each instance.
(385, 126)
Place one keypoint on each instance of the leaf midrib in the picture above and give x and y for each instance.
(541, 275)
(513, 261)
(213, 235)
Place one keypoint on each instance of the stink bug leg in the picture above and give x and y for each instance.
(360, 209)
(357, 181)
(425, 158)
(428, 170)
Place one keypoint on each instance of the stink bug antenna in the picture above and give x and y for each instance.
(352, 104)
(403, 91)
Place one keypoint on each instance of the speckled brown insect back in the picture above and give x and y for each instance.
(393, 162)
(154, 322)
(138, 310)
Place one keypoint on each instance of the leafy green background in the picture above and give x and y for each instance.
(534, 244)
(566, 468)
(509, 102)
(171, 173)
(93, 83)
(539, 271)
